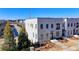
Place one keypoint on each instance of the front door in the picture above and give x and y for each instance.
(63, 32)
(51, 35)
(73, 31)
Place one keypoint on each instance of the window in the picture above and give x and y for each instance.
(33, 34)
(51, 25)
(31, 25)
(76, 31)
(63, 25)
(71, 31)
(47, 26)
(51, 34)
(41, 26)
(57, 33)
(68, 32)
(71, 24)
(68, 24)
(35, 25)
(74, 24)
(41, 36)
(2, 30)
(47, 35)
(57, 26)
(77, 25)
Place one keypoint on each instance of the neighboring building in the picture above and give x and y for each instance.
(2, 26)
(15, 27)
(43, 29)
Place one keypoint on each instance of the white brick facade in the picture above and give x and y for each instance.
(51, 28)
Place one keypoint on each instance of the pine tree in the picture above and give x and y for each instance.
(23, 43)
(9, 42)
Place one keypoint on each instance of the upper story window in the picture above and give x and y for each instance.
(77, 25)
(41, 26)
(47, 26)
(63, 25)
(31, 25)
(68, 24)
(71, 24)
(51, 25)
(57, 26)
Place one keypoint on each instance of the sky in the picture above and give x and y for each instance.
(23, 13)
